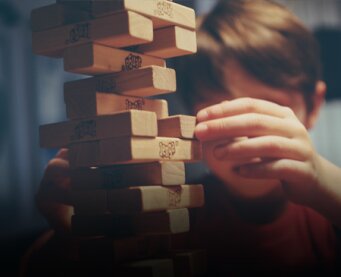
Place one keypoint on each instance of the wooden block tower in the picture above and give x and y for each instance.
(126, 153)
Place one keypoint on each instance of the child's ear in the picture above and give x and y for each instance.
(318, 101)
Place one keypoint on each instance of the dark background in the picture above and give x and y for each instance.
(31, 93)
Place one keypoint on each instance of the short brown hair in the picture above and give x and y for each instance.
(267, 40)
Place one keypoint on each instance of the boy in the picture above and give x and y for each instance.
(271, 200)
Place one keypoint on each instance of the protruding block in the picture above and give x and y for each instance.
(80, 104)
(189, 263)
(143, 82)
(158, 173)
(168, 222)
(148, 268)
(132, 150)
(163, 13)
(154, 198)
(95, 59)
(118, 30)
(171, 42)
(178, 126)
(127, 123)
(56, 15)
(137, 199)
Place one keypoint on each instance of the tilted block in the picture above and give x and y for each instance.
(56, 15)
(118, 30)
(80, 104)
(132, 150)
(95, 59)
(143, 82)
(127, 123)
(170, 42)
(158, 173)
(163, 13)
(178, 126)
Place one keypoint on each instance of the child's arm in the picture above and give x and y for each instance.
(263, 140)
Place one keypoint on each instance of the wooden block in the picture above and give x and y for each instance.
(81, 104)
(95, 59)
(168, 222)
(147, 268)
(78, 4)
(132, 150)
(56, 15)
(170, 42)
(154, 198)
(127, 123)
(143, 82)
(108, 250)
(163, 13)
(137, 199)
(158, 173)
(118, 30)
(178, 126)
(190, 263)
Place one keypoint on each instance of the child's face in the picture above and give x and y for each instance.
(241, 84)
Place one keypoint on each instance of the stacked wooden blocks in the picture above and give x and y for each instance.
(126, 153)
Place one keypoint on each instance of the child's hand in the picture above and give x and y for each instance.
(258, 139)
(53, 197)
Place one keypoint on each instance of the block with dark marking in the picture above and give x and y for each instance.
(118, 30)
(163, 13)
(95, 59)
(177, 126)
(80, 104)
(143, 82)
(158, 173)
(131, 123)
(137, 199)
(132, 150)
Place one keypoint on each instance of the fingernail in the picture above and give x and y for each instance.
(202, 115)
(220, 152)
(200, 129)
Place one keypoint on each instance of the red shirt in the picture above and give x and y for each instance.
(298, 240)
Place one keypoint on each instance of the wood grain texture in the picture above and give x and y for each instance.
(132, 150)
(88, 104)
(170, 42)
(145, 174)
(177, 126)
(118, 30)
(95, 59)
(163, 13)
(131, 123)
(143, 82)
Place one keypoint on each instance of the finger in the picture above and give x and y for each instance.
(285, 170)
(242, 106)
(245, 125)
(63, 154)
(263, 147)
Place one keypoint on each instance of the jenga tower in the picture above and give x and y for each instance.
(126, 153)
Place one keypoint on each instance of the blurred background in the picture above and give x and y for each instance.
(31, 93)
